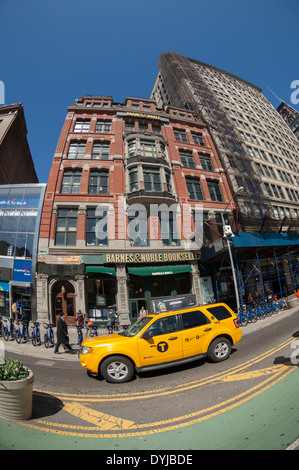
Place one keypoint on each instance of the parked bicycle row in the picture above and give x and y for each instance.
(258, 310)
(20, 331)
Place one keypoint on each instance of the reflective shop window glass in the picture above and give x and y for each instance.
(24, 244)
(32, 197)
(18, 216)
(3, 196)
(17, 220)
(15, 197)
(7, 244)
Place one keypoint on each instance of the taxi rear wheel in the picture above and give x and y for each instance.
(219, 349)
(117, 369)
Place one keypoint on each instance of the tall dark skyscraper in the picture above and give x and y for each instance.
(257, 148)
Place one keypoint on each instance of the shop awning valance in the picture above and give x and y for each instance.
(100, 270)
(160, 270)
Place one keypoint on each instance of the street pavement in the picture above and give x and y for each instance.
(27, 349)
(14, 435)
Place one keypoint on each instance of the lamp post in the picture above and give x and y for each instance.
(227, 233)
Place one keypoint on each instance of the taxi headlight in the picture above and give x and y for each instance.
(86, 350)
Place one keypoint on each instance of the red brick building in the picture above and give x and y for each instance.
(16, 164)
(129, 186)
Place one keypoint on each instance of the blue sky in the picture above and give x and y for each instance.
(55, 51)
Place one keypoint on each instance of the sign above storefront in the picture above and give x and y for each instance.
(22, 270)
(137, 258)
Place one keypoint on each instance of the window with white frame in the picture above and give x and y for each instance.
(152, 179)
(71, 182)
(187, 159)
(82, 125)
(194, 188)
(100, 151)
(66, 227)
(214, 190)
(98, 182)
(76, 150)
(103, 127)
(180, 135)
(96, 227)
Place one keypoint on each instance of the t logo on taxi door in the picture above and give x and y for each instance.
(162, 347)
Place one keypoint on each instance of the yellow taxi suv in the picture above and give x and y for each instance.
(162, 340)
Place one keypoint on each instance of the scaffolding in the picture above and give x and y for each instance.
(277, 275)
(187, 89)
(258, 276)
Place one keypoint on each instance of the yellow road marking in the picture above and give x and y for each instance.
(104, 422)
(171, 424)
(253, 374)
(109, 426)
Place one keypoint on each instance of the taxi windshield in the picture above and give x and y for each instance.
(134, 329)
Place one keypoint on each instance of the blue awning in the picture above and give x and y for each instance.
(244, 240)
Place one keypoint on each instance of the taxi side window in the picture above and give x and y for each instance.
(163, 326)
(220, 312)
(194, 319)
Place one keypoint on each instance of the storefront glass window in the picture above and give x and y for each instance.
(101, 295)
(18, 218)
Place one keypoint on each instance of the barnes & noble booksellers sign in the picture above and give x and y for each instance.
(135, 258)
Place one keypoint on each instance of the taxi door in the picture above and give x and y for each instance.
(161, 342)
(196, 328)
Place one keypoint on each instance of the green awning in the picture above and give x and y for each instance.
(160, 270)
(100, 270)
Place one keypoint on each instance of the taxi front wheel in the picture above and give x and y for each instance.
(219, 349)
(117, 369)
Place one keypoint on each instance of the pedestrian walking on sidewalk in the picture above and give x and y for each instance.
(62, 335)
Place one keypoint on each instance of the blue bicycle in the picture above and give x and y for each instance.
(281, 304)
(49, 335)
(22, 333)
(242, 317)
(35, 338)
(260, 313)
(80, 335)
(9, 331)
(273, 306)
(251, 314)
(267, 309)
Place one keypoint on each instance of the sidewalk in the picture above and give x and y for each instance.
(42, 352)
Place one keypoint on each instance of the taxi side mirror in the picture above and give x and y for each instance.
(147, 335)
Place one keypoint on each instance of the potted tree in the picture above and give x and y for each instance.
(16, 390)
